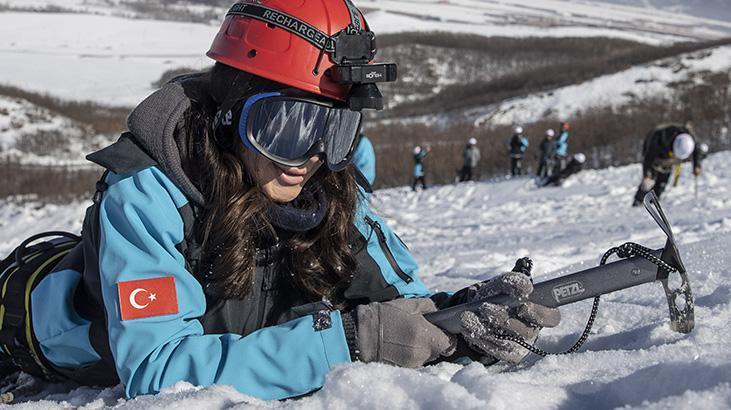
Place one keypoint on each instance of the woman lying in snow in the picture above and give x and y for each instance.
(229, 242)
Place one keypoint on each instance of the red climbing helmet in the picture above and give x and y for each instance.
(319, 46)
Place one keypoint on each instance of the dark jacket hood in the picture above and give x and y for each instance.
(155, 122)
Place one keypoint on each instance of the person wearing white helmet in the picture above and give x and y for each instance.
(471, 156)
(665, 147)
(517, 146)
(547, 153)
(419, 155)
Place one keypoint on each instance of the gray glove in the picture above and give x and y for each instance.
(480, 329)
(396, 332)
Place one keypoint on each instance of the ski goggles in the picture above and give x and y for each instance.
(290, 129)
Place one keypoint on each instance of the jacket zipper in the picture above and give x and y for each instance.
(386, 251)
(263, 298)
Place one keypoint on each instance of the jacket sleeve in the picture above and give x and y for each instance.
(649, 152)
(140, 227)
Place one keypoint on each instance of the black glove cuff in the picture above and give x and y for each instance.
(350, 326)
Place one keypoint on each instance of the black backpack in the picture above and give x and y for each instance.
(20, 272)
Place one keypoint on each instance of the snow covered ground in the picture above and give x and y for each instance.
(470, 232)
(111, 60)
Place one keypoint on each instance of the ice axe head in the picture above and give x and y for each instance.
(680, 298)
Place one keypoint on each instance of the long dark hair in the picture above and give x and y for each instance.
(235, 222)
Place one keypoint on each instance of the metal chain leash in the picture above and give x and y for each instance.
(626, 250)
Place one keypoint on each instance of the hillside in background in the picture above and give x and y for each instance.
(713, 9)
(542, 12)
(467, 68)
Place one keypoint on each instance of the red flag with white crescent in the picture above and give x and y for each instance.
(147, 297)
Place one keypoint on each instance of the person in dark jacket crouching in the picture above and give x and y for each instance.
(229, 242)
(664, 148)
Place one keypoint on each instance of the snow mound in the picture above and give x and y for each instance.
(470, 232)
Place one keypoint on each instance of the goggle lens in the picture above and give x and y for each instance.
(291, 130)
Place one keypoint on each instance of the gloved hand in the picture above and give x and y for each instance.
(697, 171)
(647, 184)
(396, 332)
(480, 329)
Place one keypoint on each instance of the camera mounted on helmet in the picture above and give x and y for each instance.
(351, 52)
(357, 72)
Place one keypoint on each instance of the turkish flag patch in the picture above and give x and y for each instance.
(147, 298)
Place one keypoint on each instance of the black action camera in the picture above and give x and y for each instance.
(353, 51)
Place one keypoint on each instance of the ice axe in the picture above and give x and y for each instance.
(639, 265)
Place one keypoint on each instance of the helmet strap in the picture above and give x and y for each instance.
(283, 20)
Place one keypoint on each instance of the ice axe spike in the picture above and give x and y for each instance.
(681, 320)
(644, 266)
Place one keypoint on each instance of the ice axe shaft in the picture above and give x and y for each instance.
(564, 290)
(604, 279)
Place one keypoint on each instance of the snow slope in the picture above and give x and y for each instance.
(103, 53)
(112, 60)
(30, 134)
(716, 9)
(469, 232)
(654, 80)
(614, 90)
(550, 18)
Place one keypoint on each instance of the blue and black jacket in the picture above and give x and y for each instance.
(419, 163)
(518, 145)
(562, 144)
(141, 227)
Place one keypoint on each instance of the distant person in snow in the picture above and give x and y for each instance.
(364, 159)
(470, 156)
(517, 146)
(573, 167)
(419, 172)
(228, 241)
(546, 152)
(665, 147)
(562, 147)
